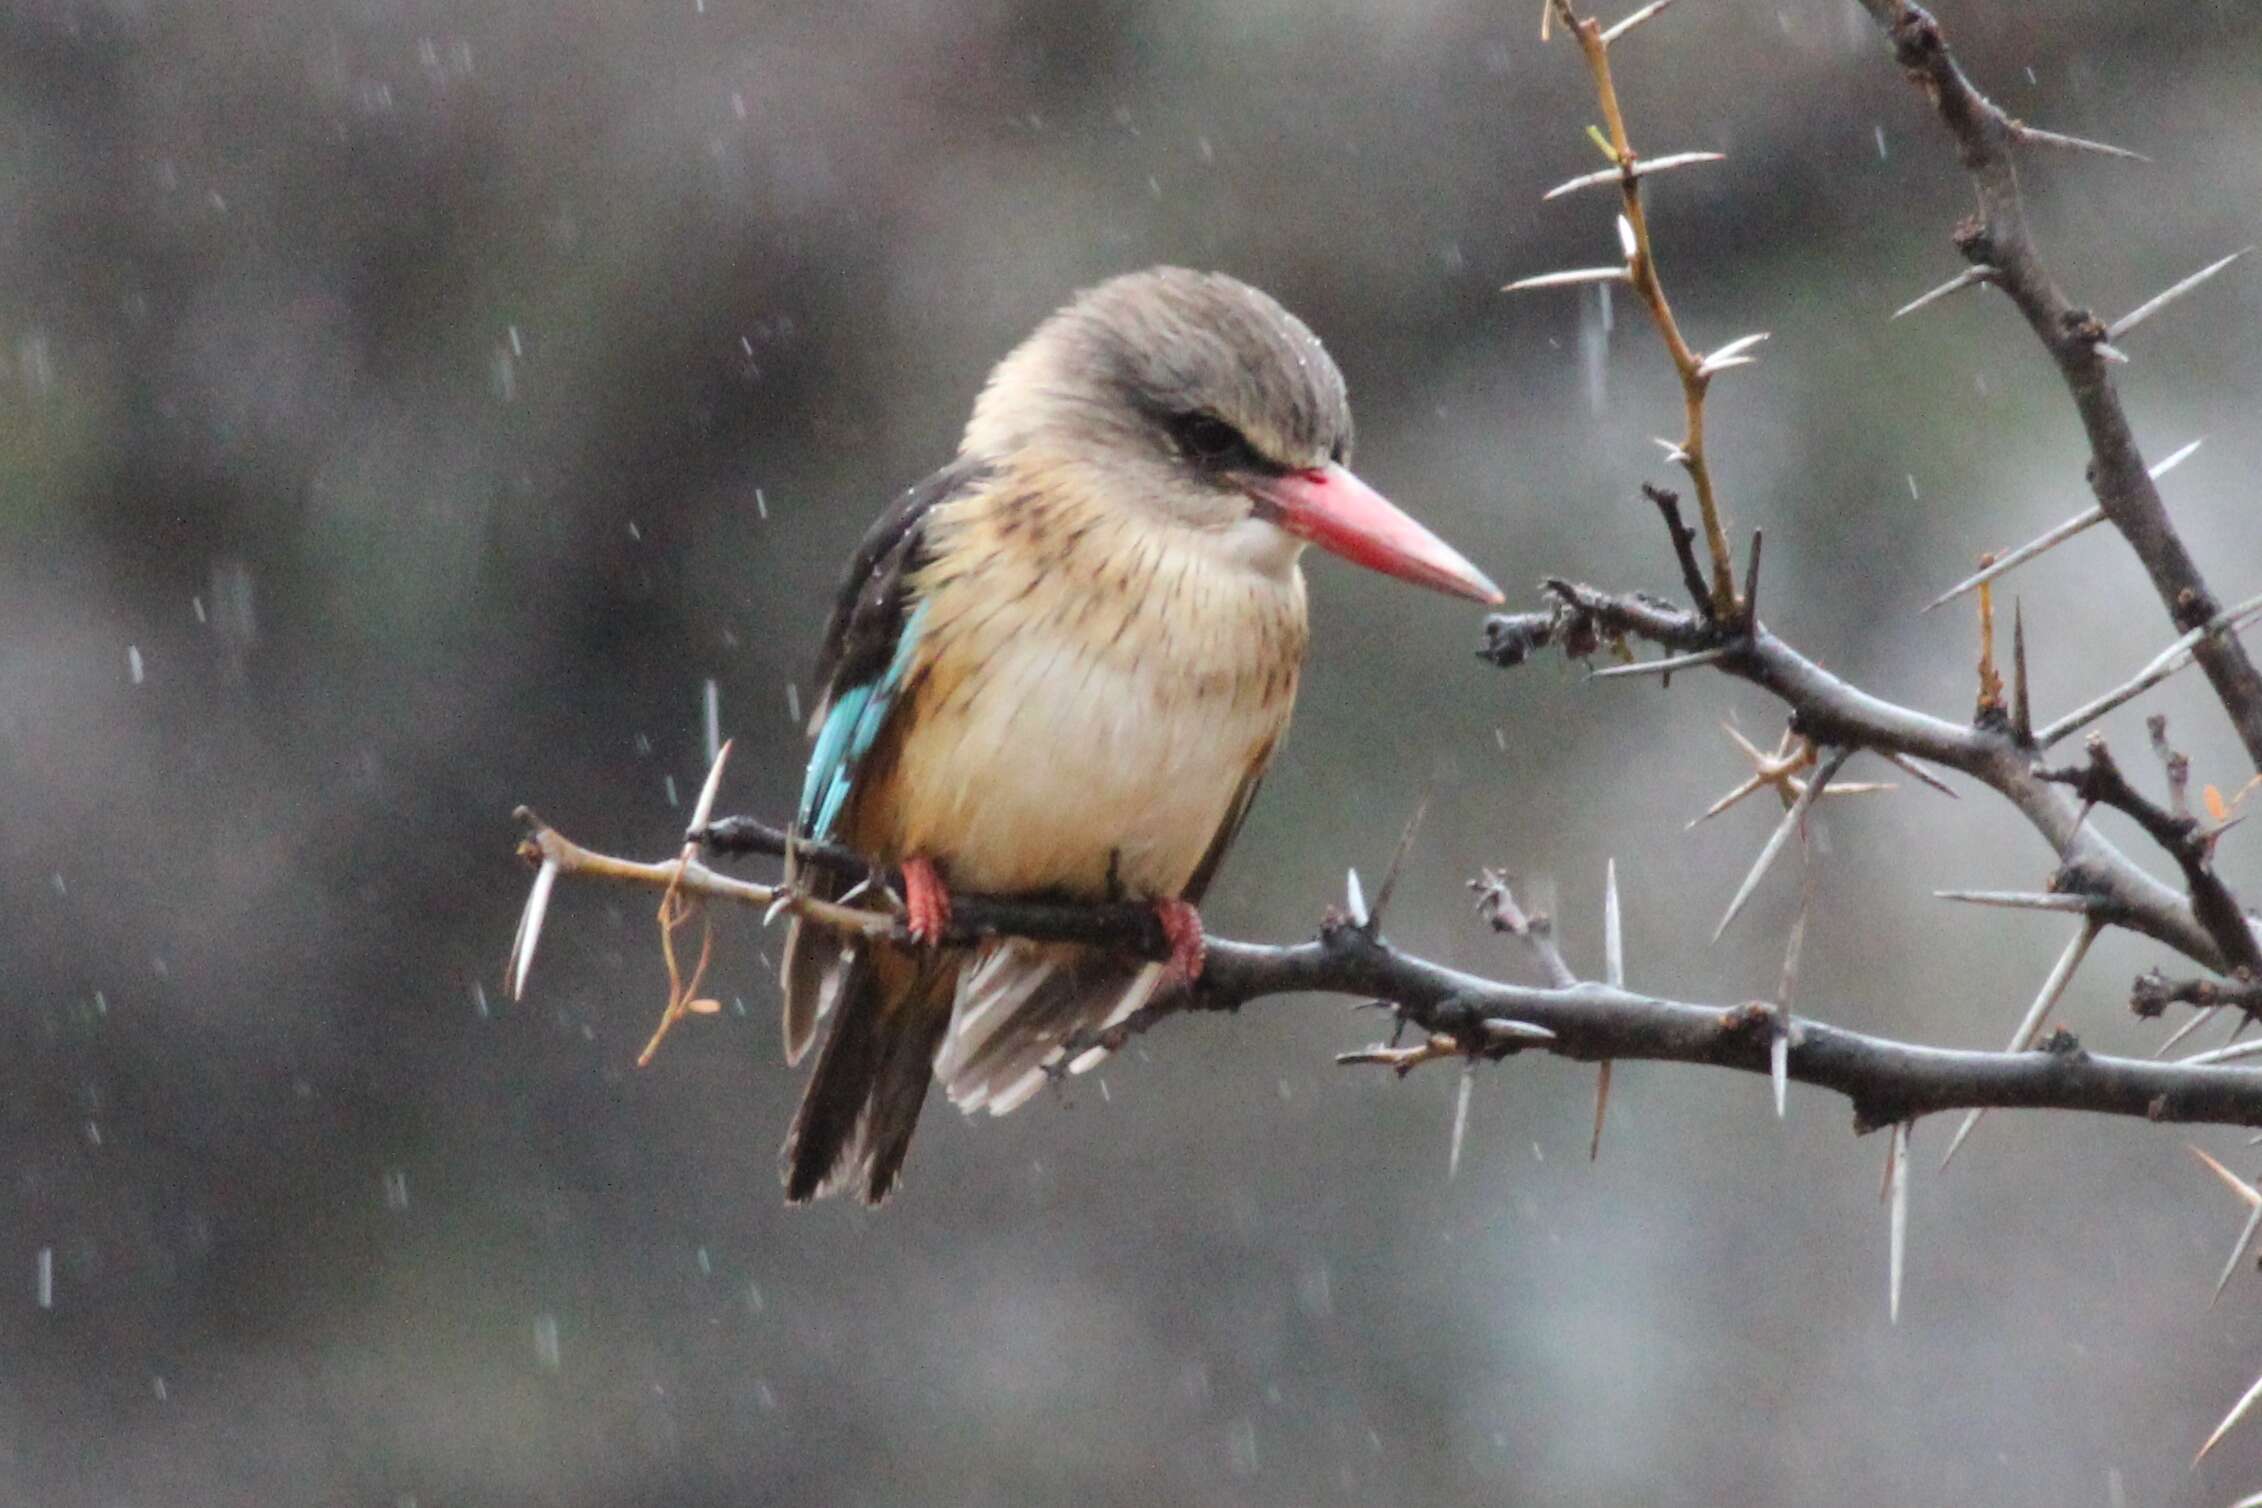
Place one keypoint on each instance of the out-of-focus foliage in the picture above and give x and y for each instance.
(406, 408)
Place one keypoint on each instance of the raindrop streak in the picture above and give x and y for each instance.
(761, 505)
(1594, 344)
(711, 704)
(396, 1189)
(546, 1341)
(36, 361)
(133, 662)
(234, 605)
(1880, 142)
(792, 703)
(45, 1284)
(1241, 1447)
(669, 782)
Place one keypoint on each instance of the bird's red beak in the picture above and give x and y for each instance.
(1344, 516)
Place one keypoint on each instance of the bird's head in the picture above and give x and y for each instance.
(1201, 401)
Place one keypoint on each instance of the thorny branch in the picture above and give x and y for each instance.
(2188, 841)
(2001, 747)
(1887, 1081)
(2000, 239)
(1831, 710)
(1641, 268)
(1628, 169)
(2207, 925)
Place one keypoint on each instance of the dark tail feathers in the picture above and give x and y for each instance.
(864, 1098)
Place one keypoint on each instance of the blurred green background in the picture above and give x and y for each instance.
(406, 408)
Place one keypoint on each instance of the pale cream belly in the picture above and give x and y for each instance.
(1056, 771)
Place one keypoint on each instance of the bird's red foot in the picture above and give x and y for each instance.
(1182, 925)
(926, 904)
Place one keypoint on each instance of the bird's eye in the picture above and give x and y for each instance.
(1209, 440)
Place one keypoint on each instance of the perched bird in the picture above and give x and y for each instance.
(1059, 666)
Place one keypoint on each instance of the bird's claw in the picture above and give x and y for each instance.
(926, 904)
(1182, 927)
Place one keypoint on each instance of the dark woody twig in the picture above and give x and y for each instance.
(1831, 710)
(1888, 1082)
(2100, 782)
(2154, 992)
(1684, 540)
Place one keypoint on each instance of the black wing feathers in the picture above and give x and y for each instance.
(870, 604)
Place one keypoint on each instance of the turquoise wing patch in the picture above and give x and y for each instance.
(852, 725)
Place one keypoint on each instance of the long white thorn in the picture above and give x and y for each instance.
(2049, 539)
(1962, 280)
(1665, 666)
(1460, 1118)
(1570, 279)
(2238, 1249)
(2238, 1412)
(1613, 974)
(1748, 786)
(529, 930)
(1767, 854)
(2159, 301)
(1791, 822)
(2018, 900)
(1354, 898)
(2247, 1192)
(1898, 1258)
(704, 807)
(2053, 989)
(2198, 1019)
(1641, 169)
(1613, 929)
(2165, 664)
(2229, 1054)
(2052, 538)
(2162, 468)
(2039, 137)
(1618, 29)
(1731, 355)
(1923, 772)
(1779, 1050)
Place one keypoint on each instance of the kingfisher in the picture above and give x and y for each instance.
(1059, 667)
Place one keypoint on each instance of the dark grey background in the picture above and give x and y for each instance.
(404, 385)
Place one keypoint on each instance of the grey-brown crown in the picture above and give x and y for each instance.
(1141, 351)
